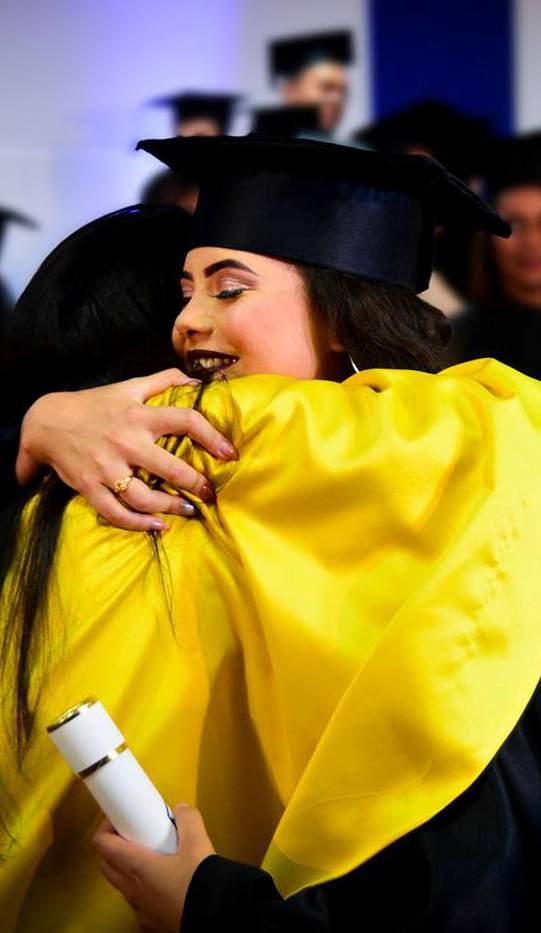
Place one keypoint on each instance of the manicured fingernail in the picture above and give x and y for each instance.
(227, 451)
(158, 525)
(193, 382)
(206, 493)
(187, 508)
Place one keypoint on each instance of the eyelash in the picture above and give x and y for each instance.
(229, 293)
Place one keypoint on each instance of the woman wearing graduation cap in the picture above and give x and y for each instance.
(381, 532)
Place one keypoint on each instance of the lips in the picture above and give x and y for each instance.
(207, 362)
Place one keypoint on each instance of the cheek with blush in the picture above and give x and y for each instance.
(274, 336)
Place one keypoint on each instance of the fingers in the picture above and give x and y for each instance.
(139, 497)
(121, 856)
(179, 421)
(174, 471)
(26, 467)
(147, 386)
(114, 511)
(113, 877)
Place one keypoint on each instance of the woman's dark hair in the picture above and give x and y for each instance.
(99, 309)
(379, 325)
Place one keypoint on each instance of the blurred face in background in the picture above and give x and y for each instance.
(518, 259)
(199, 126)
(323, 85)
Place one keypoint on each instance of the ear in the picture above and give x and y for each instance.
(336, 345)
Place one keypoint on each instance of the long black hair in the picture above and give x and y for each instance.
(379, 325)
(99, 309)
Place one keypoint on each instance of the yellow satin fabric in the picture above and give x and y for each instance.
(356, 631)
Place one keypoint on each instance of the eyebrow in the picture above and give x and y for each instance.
(217, 266)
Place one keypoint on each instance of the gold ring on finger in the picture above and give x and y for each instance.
(122, 484)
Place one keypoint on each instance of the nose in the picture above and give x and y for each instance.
(193, 321)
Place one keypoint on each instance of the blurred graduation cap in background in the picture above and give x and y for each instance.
(432, 127)
(9, 216)
(286, 122)
(291, 55)
(515, 163)
(201, 113)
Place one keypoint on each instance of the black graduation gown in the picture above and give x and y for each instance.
(473, 868)
(502, 330)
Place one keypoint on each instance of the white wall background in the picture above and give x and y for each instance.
(73, 78)
(527, 51)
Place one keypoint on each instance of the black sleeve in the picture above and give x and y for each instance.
(472, 868)
(229, 895)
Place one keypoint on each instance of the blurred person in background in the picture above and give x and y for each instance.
(461, 143)
(195, 113)
(505, 322)
(168, 187)
(8, 216)
(200, 113)
(312, 70)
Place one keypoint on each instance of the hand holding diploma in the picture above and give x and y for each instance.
(155, 885)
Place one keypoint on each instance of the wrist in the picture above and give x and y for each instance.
(36, 425)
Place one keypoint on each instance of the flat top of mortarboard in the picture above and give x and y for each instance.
(457, 139)
(291, 54)
(286, 122)
(200, 104)
(419, 176)
(515, 162)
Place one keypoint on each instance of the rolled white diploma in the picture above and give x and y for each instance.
(96, 750)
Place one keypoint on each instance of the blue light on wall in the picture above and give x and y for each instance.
(457, 50)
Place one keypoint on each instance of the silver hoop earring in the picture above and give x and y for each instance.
(355, 367)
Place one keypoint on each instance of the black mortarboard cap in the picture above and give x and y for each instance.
(190, 105)
(7, 215)
(286, 122)
(291, 55)
(515, 162)
(461, 142)
(324, 204)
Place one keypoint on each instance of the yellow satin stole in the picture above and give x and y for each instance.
(321, 662)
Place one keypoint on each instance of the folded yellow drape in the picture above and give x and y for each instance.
(327, 658)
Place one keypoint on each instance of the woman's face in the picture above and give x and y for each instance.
(246, 314)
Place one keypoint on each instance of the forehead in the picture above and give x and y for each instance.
(524, 200)
(325, 71)
(198, 259)
(199, 126)
(202, 256)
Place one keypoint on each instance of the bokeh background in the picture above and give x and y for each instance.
(77, 75)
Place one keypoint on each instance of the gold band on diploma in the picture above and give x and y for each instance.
(110, 756)
(72, 713)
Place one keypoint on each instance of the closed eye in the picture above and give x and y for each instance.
(229, 293)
